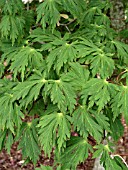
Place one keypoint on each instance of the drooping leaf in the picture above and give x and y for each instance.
(2, 138)
(12, 27)
(29, 142)
(75, 7)
(10, 114)
(120, 103)
(9, 142)
(107, 161)
(48, 13)
(117, 129)
(122, 50)
(77, 149)
(102, 120)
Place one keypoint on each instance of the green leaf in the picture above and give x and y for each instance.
(2, 138)
(22, 59)
(63, 130)
(102, 120)
(84, 122)
(77, 150)
(62, 94)
(10, 114)
(111, 164)
(48, 13)
(100, 61)
(9, 142)
(12, 27)
(122, 50)
(31, 87)
(77, 76)
(120, 103)
(107, 161)
(98, 91)
(49, 125)
(75, 7)
(117, 129)
(62, 55)
(29, 143)
(2, 69)
(102, 64)
(42, 167)
(120, 162)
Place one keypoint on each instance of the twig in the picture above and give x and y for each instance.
(121, 74)
(112, 156)
(28, 6)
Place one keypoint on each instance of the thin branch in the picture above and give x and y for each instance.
(121, 74)
(112, 156)
(28, 6)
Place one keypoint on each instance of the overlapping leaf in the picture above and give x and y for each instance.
(101, 62)
(102, 120)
